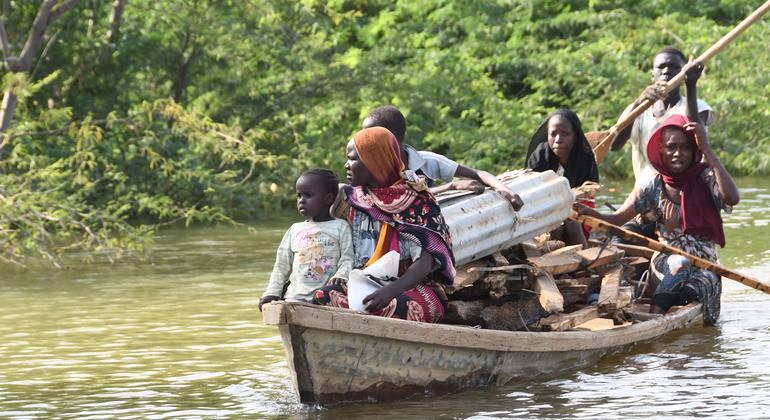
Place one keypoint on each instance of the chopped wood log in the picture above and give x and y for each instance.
(573, 293)
(566, 250)
(464, 312)
(491, 285)
(608, 294)
(635, 250)
(513, 316)
(531, 249)
(563, 322)
(593, 281)
(552, 245)
(625, 295)
(578, 290)
(498, 259)
(557, 264)
(502, 285)
(597, 256)
(507, 268)
(596, 324)
(545, 244)
(599, 324)
(635, 261)
(549, 296)
(466, 276)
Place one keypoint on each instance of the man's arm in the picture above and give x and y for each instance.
(653, 92)
(491, 181)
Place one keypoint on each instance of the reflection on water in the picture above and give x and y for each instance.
(181, 336)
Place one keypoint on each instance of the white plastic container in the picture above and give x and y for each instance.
(361, 286)
(486, 223)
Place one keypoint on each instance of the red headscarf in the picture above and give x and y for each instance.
(698, 212)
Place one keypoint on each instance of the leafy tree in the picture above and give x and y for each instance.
(133, 114)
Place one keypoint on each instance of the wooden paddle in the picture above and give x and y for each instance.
(638, 239)
(601, 146)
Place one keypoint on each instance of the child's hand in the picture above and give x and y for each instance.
(379, 299)
(701, 138)
(337, 281)
(267, 299)
(469, 185)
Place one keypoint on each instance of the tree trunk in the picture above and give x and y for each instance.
(185, 61)
(6, 110)
(113, 34)
(49, 11)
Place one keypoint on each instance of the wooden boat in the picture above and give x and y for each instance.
(338, 355)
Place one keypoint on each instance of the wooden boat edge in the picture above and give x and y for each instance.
(343, 320)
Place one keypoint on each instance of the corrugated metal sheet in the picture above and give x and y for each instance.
(483, 224)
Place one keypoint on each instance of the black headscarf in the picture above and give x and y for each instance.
(581, 166)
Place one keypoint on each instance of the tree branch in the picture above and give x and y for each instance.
(47, 13)
(60, 9)
(9, 137)
(7, 108)
(113, 34)
(48, 44)
(39, 25)
(4, 40)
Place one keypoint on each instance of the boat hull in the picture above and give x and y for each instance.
(338, 355)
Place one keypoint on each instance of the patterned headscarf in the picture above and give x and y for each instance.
(378, 150)
(699, 213)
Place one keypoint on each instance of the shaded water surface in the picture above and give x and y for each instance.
(181, 336)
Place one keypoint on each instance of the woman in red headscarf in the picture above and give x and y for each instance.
(686, 197)
(391, 210)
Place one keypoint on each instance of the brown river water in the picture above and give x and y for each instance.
(181, 336)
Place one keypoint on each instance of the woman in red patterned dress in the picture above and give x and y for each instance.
(390, 209)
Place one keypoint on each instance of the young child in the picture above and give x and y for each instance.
(315, 251)
(433, 165)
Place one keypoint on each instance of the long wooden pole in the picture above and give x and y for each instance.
(657, 246)
(676, 81)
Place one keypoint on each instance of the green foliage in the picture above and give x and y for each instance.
(207, 111)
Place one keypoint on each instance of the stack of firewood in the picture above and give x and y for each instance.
(543, 285)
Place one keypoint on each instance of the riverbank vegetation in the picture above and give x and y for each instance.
(122, 116)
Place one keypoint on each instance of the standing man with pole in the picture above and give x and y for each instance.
(666, 64)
